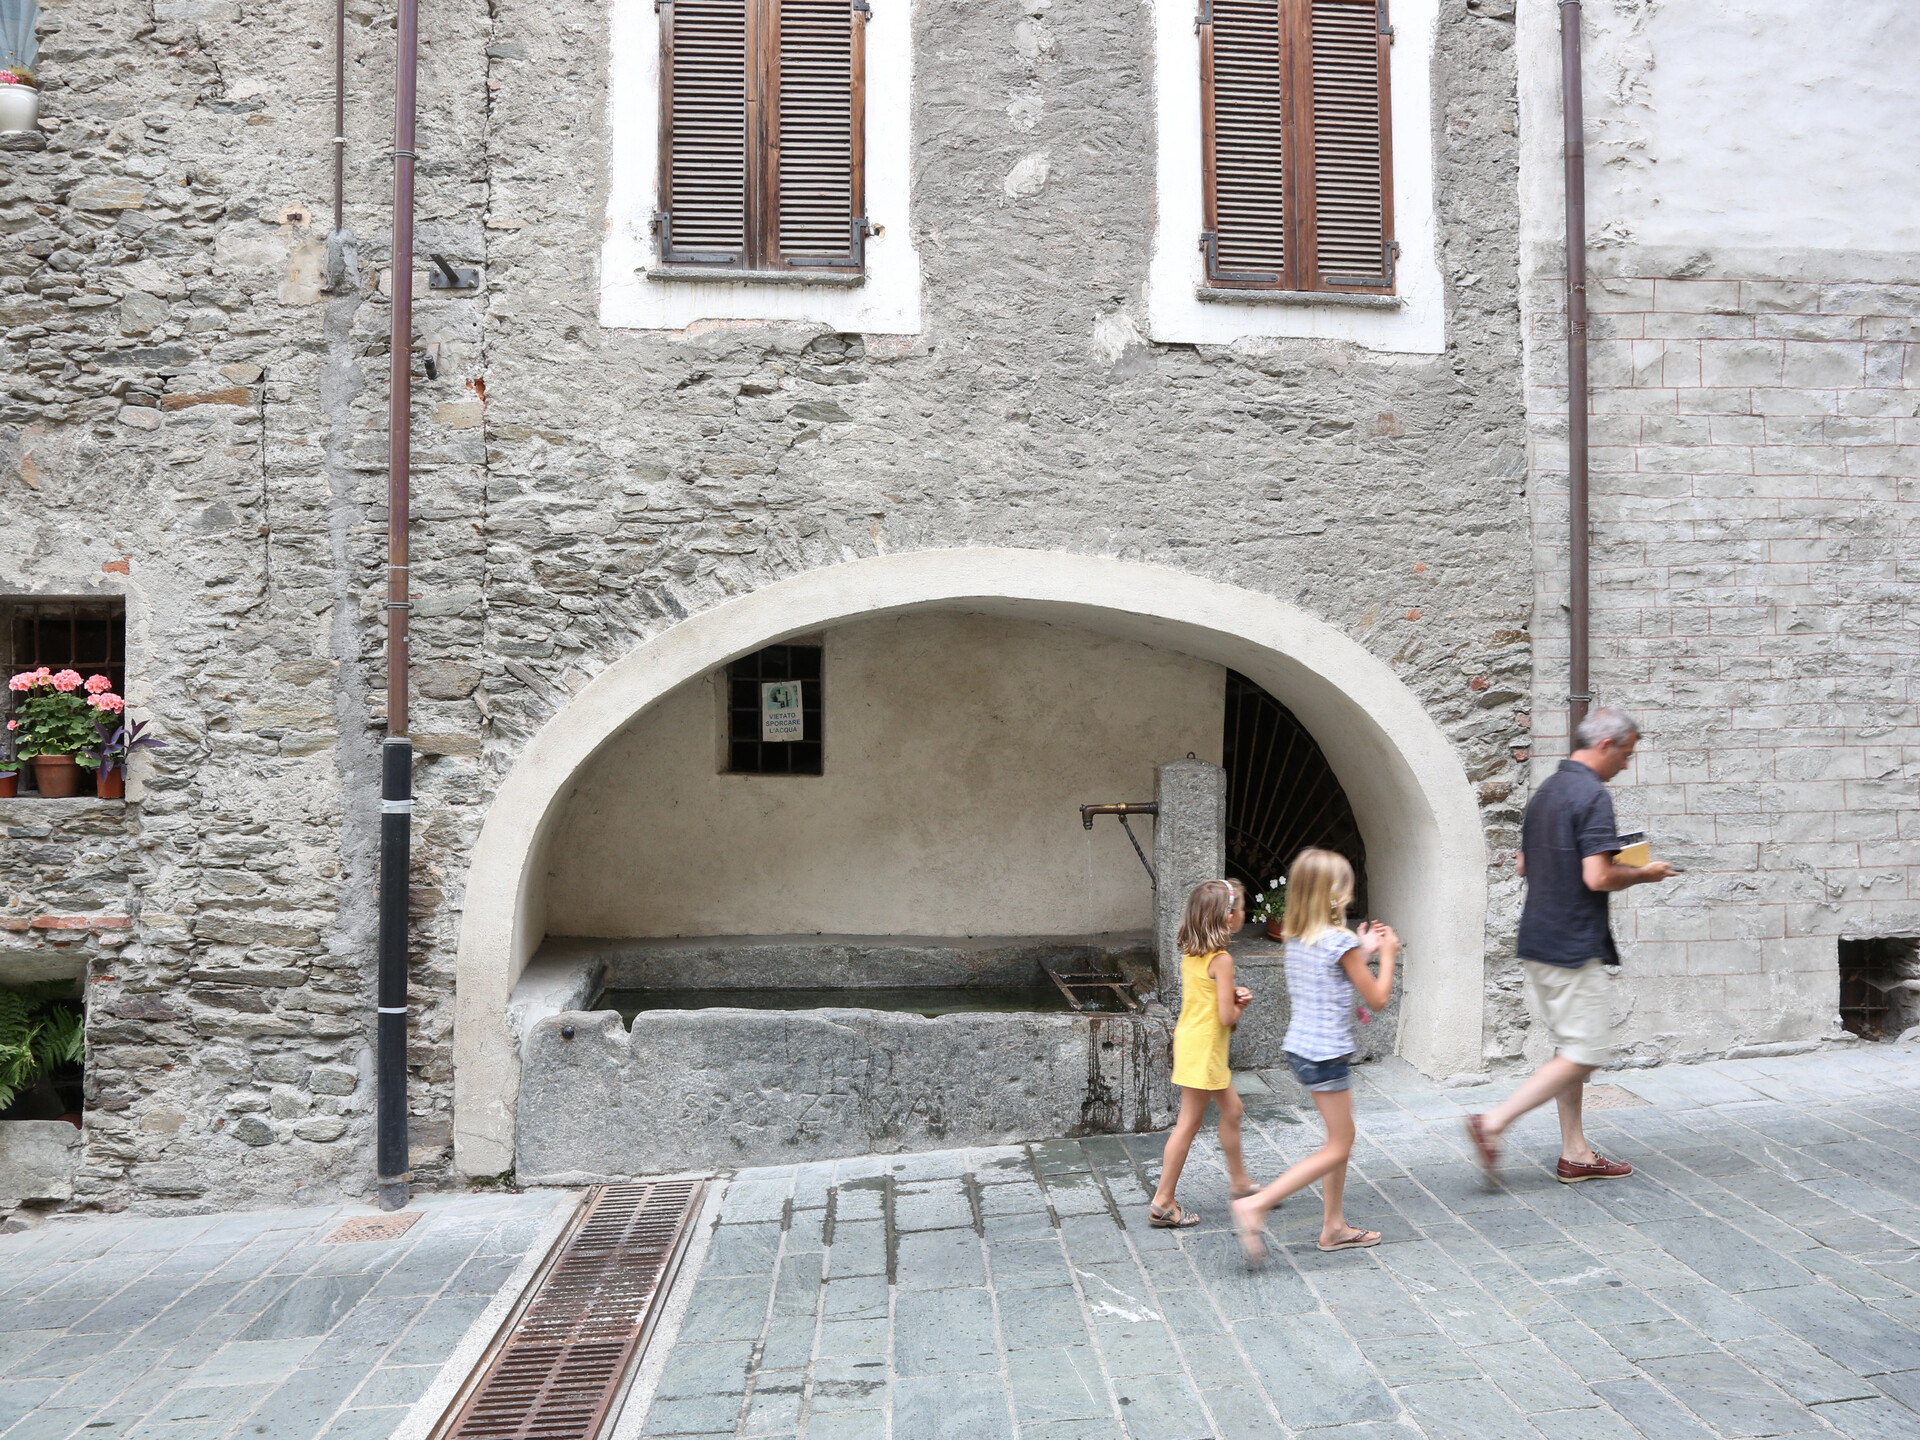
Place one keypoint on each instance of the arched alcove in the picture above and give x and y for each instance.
(1409, 792)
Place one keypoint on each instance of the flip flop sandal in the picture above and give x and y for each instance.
(1358, 1240)
(1238, 1194)
(1174, 1219)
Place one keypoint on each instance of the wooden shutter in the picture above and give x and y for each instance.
(704, 132)
(1352, 181)
(1243, 109)
(818, 134)
(761, 134)
(1296, 144)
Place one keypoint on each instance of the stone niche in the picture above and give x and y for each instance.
(685, 1088)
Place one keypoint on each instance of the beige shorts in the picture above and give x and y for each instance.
(1575, 1004)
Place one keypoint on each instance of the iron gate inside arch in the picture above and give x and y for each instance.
(1281, 793)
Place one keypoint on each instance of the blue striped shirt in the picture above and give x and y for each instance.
(1322, 996)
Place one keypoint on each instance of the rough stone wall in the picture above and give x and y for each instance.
(188, 422)
(193, 387)
(1755, 455)
(65, 874)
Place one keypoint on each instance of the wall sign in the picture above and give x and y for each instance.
(780, 714)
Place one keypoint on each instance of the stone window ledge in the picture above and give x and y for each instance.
(1220, 295)
(26, 809)
(690, 275)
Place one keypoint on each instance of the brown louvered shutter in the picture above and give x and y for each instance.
(1297, 179)
(761, 134)
(705, 125)
(1243, 129)
(1352, 181)
(818, 135)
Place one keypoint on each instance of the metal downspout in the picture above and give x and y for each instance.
(339, 115)
(396, 768)
(1578, 696)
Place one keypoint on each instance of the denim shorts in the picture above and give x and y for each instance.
(1322, 1075)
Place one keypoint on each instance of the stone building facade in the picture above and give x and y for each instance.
(195, 422)
(1755, 454)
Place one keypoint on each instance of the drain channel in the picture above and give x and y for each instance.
(564, 1358)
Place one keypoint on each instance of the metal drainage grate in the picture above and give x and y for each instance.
(373, 1227)
(1610, 1097)
(559, 1365)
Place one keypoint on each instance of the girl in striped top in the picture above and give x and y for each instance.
(1326, 967)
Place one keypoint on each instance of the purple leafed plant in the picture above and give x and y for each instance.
(116, 745)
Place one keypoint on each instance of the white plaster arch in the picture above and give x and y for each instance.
(1426, 849)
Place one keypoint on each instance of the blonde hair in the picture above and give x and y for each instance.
(1319, 889)
(1206, 926)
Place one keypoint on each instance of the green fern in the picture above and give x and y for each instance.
(41, 1029)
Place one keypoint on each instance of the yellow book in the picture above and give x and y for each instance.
(1638, 853)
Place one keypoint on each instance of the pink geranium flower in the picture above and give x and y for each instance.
(23, 681)
(67, 681)
(110, 703)
(98, 683)
(13, 724)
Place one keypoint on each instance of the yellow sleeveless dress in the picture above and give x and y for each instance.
(1199, 1039)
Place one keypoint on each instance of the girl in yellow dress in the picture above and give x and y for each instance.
(1209, 1009)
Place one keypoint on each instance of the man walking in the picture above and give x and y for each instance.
(1567, 846)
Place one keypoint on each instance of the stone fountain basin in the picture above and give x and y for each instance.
(725, 1086)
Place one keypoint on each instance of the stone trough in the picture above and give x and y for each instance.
(726, 1085)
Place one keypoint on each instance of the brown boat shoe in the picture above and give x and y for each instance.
(1572, 1172)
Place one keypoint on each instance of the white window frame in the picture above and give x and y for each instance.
(1411, 321)
(884, 301)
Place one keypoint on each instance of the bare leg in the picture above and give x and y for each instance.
(1336, 1109)
(1231, 1109)
(1573, 1132)
(1549, 1082)
(1193, 1107)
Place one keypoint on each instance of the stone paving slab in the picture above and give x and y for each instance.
(202, 1328)
(1760, 1277)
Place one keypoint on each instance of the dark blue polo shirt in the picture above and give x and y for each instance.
(1569, 818)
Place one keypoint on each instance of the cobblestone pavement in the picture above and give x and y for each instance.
(1758, 1278)
(244, 1324)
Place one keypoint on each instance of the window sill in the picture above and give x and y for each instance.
(22, 809)
(1218, 295)
(692, 275)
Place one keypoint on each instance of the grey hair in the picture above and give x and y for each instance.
(1600, 726)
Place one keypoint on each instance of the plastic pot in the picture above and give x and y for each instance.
(111, 784)
(19, 107)
(57, 775)
(1274, 932)
(9, 786)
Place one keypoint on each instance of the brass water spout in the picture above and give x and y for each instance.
(1133, 807)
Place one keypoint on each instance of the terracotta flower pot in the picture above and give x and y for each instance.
(1274, 932)
(58, 776)
(111, 784)
(9, 786)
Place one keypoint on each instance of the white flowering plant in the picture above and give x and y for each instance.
(1269, 904)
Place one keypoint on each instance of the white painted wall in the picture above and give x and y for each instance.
(958, 750)
(887, 304)
(1175, 316)
(1764, 124)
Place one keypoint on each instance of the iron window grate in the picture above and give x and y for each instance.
(747, 753)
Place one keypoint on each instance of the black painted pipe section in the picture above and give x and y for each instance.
(396, 836)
